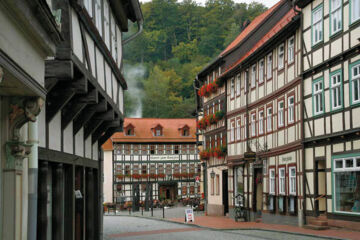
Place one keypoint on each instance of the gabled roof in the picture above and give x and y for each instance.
(143, 132)
(252, 26)
(129, 125)
(277, 28)
(181, 126)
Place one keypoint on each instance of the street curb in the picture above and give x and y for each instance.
(230, 229)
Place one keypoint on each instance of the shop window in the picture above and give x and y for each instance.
(346, 175)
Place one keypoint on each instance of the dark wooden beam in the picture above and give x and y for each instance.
(56, 100)
(80, 85)
(76, 105)
(50, 83)
(87, 113)
(108, 134)
(91, 127)
(60, 69)
(103, 128)
(106, 116)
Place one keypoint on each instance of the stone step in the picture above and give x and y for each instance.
(316, 227)
(318, 222)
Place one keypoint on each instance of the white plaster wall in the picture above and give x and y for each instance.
(88, 148)
(100, 68)
(68, 139)
(79, 143)
(108, 176)
(108, 80)
(95, 151)
(55, 132)
(91, 49)
(76, 35)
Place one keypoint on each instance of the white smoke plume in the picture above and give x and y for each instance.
(134, 75)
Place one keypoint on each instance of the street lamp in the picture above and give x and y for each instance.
(212, 174)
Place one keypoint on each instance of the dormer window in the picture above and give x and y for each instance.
(184, 130)
(129, 130)
(157, 130)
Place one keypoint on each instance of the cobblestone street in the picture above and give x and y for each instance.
(129, 227)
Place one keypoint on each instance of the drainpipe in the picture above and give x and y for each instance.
(33, 179)
(139, 20)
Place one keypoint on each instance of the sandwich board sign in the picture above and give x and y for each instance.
(189, 215)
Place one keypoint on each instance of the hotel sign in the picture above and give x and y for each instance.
(164, 157)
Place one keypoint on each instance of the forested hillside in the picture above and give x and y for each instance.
(179, 39)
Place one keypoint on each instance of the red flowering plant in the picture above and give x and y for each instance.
(203, 91)
(152, 175)
(184, 174)
(120, 176)
(204, 154)
(161, 175)
(219, 115)
(144, 175)
(191, 174)
(212, 119)
(213, 87)
(201, 124)
(177, 175)
(136, 176)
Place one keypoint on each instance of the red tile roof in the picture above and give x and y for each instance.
(108, 145)
(171, 132)
(277, 28)
(253, 25)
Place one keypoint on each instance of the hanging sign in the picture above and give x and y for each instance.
(189, 215)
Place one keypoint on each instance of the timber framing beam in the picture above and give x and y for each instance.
(60, 69)
(95, 123)
(109, 133)
(103, 129)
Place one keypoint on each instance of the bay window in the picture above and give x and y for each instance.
(291, 109)
(335, 16)
(281, 56)
(346, 183)
(336, 90)
(269, 66)
(282, 181)
(317, 25)
(261, 122)
(355, 82)
(281, 114)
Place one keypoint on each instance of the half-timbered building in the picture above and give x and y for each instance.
(331, 77)
(211, 124)
(153, 158)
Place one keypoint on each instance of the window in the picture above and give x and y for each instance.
(253, 125)
(88, 7)
(130, 132)
(272, 181)
(336, 90)
(269, 66)
(269, 119)
(176, 149)
(354, 10)
(291, 50)
(346, 183)
(281, 114)
(246, 128)
(253, 76)
(282, 181)
(318, 97)
(355, 82)
(106, 24)
(281, 56)
(291, 109)
(317, 25)
(185, 132)
(232, 88)
(292, 180)
(217, 184)
(238, 129)
(232, 131)
(113, 39)
(261, 122)
(238, 84)
(143, 169)
(261, 71)
(246, 80)
(152, 149)
(98, 18)
(335, 16)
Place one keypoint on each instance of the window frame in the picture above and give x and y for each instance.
(238, 85)
(88, 4)
(98, 18)
(261, 71)
(331, 13)
(315, 82)
(106, 21)
(253, 76)
(238, 129)
(351, 81)
(321, 22)
(291, 47)
(269, 107)
(351, 20)
(281, 53)
(232, 131)
(253, 124)
(280, 114)
(280, 177)
(332, 89)
(272, 181)
(292, 178)
(232, 88)
(291, 114)
(261, 122)
(269, 64)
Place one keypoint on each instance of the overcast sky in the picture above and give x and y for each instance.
(268, 3)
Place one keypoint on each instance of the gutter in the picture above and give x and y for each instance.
(139, 20)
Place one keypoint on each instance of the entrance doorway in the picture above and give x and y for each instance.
(258, 190)
(225, 193)
(168, 191)
(320, 187)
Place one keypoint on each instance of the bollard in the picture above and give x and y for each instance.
(163, 211)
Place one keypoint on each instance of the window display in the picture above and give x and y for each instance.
(346, 173)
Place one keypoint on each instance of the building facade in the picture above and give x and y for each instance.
(152, 159)
(60, 71)
(212, 129)
(331, 73)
